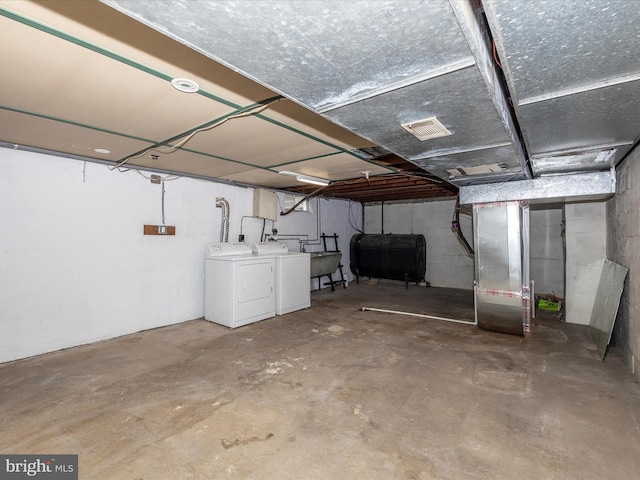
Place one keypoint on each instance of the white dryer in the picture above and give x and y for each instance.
(239, 286)
(293, 270)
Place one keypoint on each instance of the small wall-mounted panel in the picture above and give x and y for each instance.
(265, 204)
(159, 230)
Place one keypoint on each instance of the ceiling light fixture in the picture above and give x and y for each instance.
(312, 180)
(307, 178)
(185, 85)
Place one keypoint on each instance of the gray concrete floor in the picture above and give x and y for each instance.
(332, 393)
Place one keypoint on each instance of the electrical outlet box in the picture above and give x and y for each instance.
(162, 229)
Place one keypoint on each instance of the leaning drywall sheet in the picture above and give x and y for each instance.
(606, 304)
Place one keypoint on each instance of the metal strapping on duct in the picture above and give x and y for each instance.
(419, 315)
(498, 292)
(500, 204)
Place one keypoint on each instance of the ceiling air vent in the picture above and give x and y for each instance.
(426, 129)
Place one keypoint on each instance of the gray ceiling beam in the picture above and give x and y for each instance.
(596, 186)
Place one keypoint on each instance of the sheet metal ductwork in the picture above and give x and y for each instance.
(573, 74)
(395, 257)
(380, 69)
(496, 90)
(502, 286)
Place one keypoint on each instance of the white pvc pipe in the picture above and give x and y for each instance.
(432, 317)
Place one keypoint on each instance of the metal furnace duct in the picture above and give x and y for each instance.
(573, 74)
(501, 242)
(371, 67)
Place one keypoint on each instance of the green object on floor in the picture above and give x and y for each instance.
(548, 305)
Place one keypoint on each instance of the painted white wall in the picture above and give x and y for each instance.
(624, 248)
(303, 230)
(586, 238)
(547, 250)
(75, 267)
(447, 263)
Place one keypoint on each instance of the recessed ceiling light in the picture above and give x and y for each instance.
(101, 150)
(185, 85)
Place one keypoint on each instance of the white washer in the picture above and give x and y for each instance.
(293, 272)
(239, 286)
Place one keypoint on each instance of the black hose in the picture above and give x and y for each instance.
(455, 226)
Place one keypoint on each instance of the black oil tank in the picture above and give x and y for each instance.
(395, 257)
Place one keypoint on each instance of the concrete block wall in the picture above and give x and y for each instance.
(447, 263)
(547, 250)
(623, 247)
(75, 266)
(586, 248)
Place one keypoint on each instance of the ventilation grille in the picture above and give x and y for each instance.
(426, 129)
(477, 170)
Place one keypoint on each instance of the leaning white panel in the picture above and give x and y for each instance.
(607, 301)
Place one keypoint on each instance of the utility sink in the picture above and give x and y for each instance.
(324, 263)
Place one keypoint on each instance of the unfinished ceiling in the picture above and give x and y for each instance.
(407, 100)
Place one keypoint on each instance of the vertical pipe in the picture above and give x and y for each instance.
(382, 219)
(162, 202)
(226, 231)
